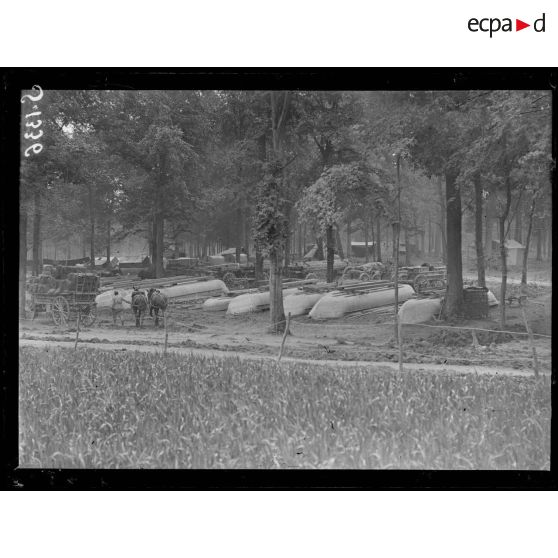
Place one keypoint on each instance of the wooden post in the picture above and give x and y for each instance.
(285, 333)
(530, 334)
(77, 328)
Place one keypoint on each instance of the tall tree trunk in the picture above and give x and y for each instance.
(330, 253)
(454, 293)
(246, 230)
(279, 109)
(288, 239)
(22, 259)
(443, 213)
(258, 266)
(159, 235)
(407, 254)
(518, 222)
(539, 243)
(396, 268)
(37, 263)
(429, 235)
(365, 223)
(339, 243)
(503, 253)
(373, 241)
(527, 242)
(490, 209)
(91, 228)
(349, 252)
(153, 242)
(276, 292)
(478, 231)
(378, 237)
(108, 241)
(240, 233)
(319, 255)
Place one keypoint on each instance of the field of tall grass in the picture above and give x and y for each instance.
(113, 410)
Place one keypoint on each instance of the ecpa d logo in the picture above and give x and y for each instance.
(492, 25)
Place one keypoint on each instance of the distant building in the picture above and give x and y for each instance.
(514, 251)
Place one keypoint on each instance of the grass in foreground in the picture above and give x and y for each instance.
(95, 409)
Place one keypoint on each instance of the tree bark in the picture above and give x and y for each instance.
(365, 223)
(276, 292)
(518, 223)
(279, 111)
(339, 243)
(108, 242)
(397, 227)
(378, 237)
(478, 231)
(443, 212)
(349, 254)
(407, 255)
(153, 243)
(503, 253)
(527, 242)
(22, 259)
(454, 292)
(539, 243)
(330, 253)
(258, 266)
(159, 232)
(91, 228)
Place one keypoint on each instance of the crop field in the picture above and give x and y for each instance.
(98, 409)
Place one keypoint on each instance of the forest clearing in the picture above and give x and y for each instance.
(286, 279)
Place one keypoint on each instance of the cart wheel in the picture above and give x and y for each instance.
(364, 277)
(376, 276)
(60, 310)
(88, 315)
(311, 276)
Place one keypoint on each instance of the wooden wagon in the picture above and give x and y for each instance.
(65, 306)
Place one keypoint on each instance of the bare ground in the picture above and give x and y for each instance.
(358, 338)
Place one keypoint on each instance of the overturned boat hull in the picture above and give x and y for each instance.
(300, 303)
(419, 311)
(338, 303)
(186, 291)
(253, 302)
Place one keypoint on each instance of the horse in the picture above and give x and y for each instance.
(139, 306)
(157, 301)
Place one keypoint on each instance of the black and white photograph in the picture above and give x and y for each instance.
(285, 278)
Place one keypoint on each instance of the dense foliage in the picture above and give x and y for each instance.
(255, 168)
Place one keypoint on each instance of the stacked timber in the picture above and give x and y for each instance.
(359, 297)
(321, 265)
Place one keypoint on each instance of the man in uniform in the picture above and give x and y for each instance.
(118, 307)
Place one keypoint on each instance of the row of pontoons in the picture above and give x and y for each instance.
(319, 300)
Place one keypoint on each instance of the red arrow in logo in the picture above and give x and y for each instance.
(519, 25)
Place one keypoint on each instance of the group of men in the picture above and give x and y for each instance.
(141, 301)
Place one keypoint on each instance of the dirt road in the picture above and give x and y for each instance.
(374, 366)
